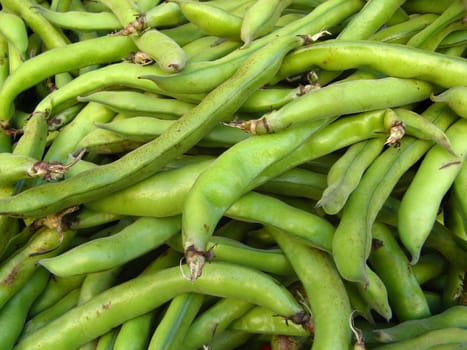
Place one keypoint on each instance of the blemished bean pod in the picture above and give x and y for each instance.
(389, 261)
(436, 172)
(173, 326)
(455, 316)
(204, 76)
(169, 56)
(455, 98)
(394, 60)
(38, 68)
(345, 174)
(14, 314)
(324, 289)
(142, 294)
(18, 268)
(226, 179)
(260, 18)
(355, 96)
(218, 105)
(260, 320)
(214, 320)
(429, 339)
(88, 257)
(133, 103)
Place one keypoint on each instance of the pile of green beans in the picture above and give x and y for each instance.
(233, 174)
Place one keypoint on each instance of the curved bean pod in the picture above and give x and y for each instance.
(142, 294)
(389, 261)
(418, 212)
(394, 60)
(455, 98)
(376, 295)
(14, 30)
(323, 287)
(88, 257)
(355, 96)
(38, 68)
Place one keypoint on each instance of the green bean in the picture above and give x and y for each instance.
(38, 68)
(455, 98)
(345, 174)
(454, 286)
(260, 320)
(145, 5)
(68, 302)
(101, 141)
(80, 20)
(230, 339)
(455, 316)
(106, 341)
(391, 59)
(218, 105)
(376, 295)
(325, 292)
(173, 326)
(56, 289)
(204, 76)
(88, 257)
(456, 38)
(402, 32)
(133, 103)
(359, 305)
(18, 268)
(416, 221)
(226, 179)
(184, 34)
(259, 19)
(399, 16)
(87, 218)
(424, 6)
(14, 314)
(51, 37)
(142, 294)
(14, 30)
(214, 320)
(455, 11)
(389, 261)
(429, 339)
(355, 96)
(208, 48)
(96, 282)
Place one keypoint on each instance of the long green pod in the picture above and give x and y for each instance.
(395, 60)
(437, 172)
(14, 314)
(208, 48)
(204, 76)
(81, 20)
(429, 339)
(213, 321)
(324, 289)
(227, 178)
(391, 264)
(142, 236)
(455, 98)
(173, 326)
(260, 18)
(345, 174)
(33, 142)
(455, 316)
(96, 282)
(217, 106)
(72, 56)
(142, 294)
(355, 96)
(14, 30)
(376, 295)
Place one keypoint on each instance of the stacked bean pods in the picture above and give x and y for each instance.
(250, 174)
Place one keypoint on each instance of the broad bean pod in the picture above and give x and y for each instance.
(416, 222)
(394, 60)
(455, 98)
(140, 295)
(173, 326)
(217, 106)
(96, 282)
(208, 48)
(76, 55)
(389, 261)
(376, 295)
(214, 320)
(141, 236)
(14, 314)
(355, 96)
(323, 287)
(226, 179)
(430, 265)
(14, 30)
